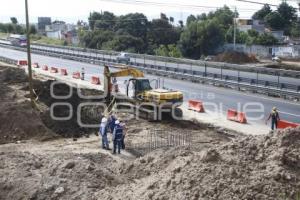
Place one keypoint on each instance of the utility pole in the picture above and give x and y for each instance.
(29, 55)
(234, 30)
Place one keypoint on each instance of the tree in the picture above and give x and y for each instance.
(288, 13)
(275, 21)
(201, 38)
(241, 37)
(266, 39)
(135, 24)
(190, 19)
(104, 21)
(14, 20)
(170, 50)
(126, 43)
(295, 30)
(224, 16)
(289, 16)
(163, 16)
(161, 32)
(262, 13)
(33, 29)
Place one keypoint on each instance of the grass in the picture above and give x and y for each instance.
(46, 40)
(3, 35)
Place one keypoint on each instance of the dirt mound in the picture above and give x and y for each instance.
(247, 168)
(18, 120)
(235, 57)
(55, 176)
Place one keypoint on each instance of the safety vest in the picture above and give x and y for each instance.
(118, 133)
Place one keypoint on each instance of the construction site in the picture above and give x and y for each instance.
(44, 158)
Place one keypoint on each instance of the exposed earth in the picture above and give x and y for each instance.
(41, 158)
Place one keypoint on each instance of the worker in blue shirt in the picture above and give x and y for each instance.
(117, 137)
(111, 122)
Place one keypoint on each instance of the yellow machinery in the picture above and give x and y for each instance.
(140, 93)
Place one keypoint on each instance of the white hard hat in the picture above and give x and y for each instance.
(117, 122)
(104, 120)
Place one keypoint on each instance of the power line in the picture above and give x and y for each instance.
(176, 5)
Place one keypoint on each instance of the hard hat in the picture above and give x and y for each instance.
(274, 108)
(117, 122)
(104, 120)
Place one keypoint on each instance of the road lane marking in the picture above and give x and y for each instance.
(289, 114)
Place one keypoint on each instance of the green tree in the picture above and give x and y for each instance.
(241, 37)
(295, 30)
(190, 19)
(266, 39)
(14, 20)
(33, 29)
(288, 13)
(289, 16)
(135, 24)
(102, 21)
(126, 43)
(224, 16)
(275, 21)
(262, 13)
(170, 50)
(161, 32)
(201, 38)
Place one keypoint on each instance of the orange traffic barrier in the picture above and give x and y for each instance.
(76, 75)
(233, 115)
(22, 63)
(35, 65)
(45, 68)
(285, 124)
(96, 80)
(54, 70)
(64, 72)
(196, 105)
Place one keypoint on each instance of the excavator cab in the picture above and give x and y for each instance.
(136, 87)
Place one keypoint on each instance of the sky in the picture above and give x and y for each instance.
(73, 10)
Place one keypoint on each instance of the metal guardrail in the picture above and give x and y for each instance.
(255, 85)
(169, 60)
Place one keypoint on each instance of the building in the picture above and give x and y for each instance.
(55, 34)
(43, 22)
(249, 24)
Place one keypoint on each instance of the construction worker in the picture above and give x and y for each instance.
(82, 73)
(111, 122)
(274, 116)
(117, 137)
(123, 125)
(103, 133)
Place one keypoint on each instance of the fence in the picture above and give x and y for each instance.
(160, 139)
(282, 51)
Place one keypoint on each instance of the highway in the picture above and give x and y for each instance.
(250, 75)
(222, 98)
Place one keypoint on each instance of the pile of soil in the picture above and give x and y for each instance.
(235, 58)
(18, 120)
(247, 168)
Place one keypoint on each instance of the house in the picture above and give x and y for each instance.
(54, 34)
(42, 23)
(71, 37)
(249, 24)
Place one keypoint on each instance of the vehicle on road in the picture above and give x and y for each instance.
(17, 40)
(123, 57)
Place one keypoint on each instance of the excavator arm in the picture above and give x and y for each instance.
(127, 72)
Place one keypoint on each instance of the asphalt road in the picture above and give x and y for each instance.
(217, 100)
(225, 72)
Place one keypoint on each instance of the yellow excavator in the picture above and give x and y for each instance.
(149, 102)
